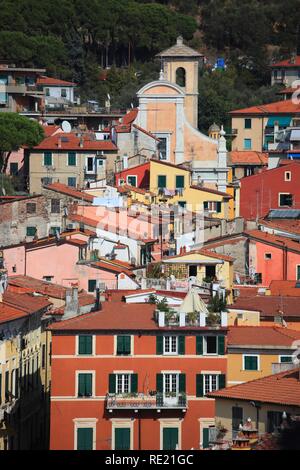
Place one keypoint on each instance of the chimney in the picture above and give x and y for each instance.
(72, 303)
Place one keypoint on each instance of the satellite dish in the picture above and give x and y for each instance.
(66, 126)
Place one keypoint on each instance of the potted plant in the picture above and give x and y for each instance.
(192, 317)
(221, 430)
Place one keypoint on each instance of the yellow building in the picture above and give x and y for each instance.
(204, 267)
(264, 401)
(173, 185)
(258, 351)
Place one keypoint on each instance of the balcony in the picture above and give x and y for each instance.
(142, 401)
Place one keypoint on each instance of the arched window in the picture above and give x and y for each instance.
(180, 76)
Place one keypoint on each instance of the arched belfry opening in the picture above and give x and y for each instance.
(181, 76)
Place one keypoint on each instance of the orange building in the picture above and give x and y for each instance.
(125, 377)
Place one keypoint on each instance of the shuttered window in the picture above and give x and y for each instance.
(221, 345)
(205, 438)
(123, 383)
(179, 181)
(85, 439)
(122, 438)
(170, 438)
(123, 345)
(72, 159)
(159, 345)
(250, 363)
(199, 345)
(161, 181)
(85, 388)
(47, 158)
(85, 344)
(30, 231)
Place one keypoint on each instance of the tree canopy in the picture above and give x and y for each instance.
(16, 131)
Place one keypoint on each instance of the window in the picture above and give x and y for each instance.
(123, 345)
(90, 164)
(63, 93)
(31, 207)
(248, 123)
(132, 180)
(247, 144)
(72, 159)
(122, 438)
(287, 176)
(46, 181)
(298, 272)
(92, 285)
(47, 158)
(170, 344)
(13, 168)
(123, 383)
(210, 383)
(30, 231)
(286, 359)
(161, 181)
(72, 182)
(182, 204)
(268, 255)
(251, 363)
(210, 344)
(170, 383)
(237, 419)
(162, 148)
(48, 278)
(180, 76)
(47, 91)
(170, 438)
(85, 344)
(248, 171)
(84, 439)
(285, 199)
(85, 382)
(179, 182)
(212, 206)
(55, 206)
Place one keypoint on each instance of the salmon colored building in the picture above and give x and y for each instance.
(123, 379)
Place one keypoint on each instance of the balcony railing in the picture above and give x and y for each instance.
(142, 401)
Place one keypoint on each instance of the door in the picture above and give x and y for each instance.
(122, 439)
(193, 270)
(85, 439)
(237, 419)
(170, 438)
(210, 272)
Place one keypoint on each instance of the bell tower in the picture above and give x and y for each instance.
(180, 64)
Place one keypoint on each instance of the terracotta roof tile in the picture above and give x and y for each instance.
(26, 302)
(43, 80)
(269, 305)
(288, 225)
(212, 191)
(284, 107)
(283, 388)
(69, 191)
(262, 336)
(8, 313)
(70, 141)
(249, 157)
(205, 252)
(285, 288)
(276, 240)
(288, 63)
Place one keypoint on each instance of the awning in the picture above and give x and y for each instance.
(283, 121)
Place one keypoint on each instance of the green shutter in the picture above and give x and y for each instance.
(81, 385)
(159, 345)
(134, 383)
(88, 384)
(199, 345)
(126, 344)
(71, 159)
(122, 438)
(222, 381)
(251, 363)
(159, 383)
(85, 439)
(205, 205)
(47, 158)
(221, 345)
(112, 383)
(30, 231)
(161, 181)
(170, 438)
(85, 344)
(91, 285)
(199, 385)
(205, 438)
(219, 207)
(120, 345)
(179, 181)
(182, 383)
(181, 345)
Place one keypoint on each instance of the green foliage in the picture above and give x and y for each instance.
(16, 131)
(217, 304)
(163, 306)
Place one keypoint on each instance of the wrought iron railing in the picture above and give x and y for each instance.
(145, 401)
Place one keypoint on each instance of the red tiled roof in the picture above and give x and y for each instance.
(30, 284)
(76, 242)
(43, 80)
(269, 305)
(85, 220)
(261, 336)
(26, 302)
(249, 157)
(8, 313)
(69, 191)
(212, 191)
(57, 142)
(205, 252)
(287, 225)
(125, 188)
(116, 266)
(283, 388)
(276, 240)
(145, 132)
(284, 107)
(284, 288)
(173, 165)
(288, 63)
(117, 317)
(50, 130)
(130, 116)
